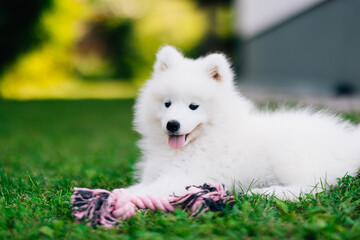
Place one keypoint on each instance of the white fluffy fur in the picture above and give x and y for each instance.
(286, 152)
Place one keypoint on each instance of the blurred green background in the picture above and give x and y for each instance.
(100, 48)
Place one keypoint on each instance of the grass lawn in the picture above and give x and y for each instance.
(48, 147)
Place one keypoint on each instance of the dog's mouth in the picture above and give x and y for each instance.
(178, 141)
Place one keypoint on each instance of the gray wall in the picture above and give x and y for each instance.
(311, 53)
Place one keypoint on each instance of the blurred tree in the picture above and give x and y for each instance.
(110, 39)
(122, 37)
(96, 39)
(20, 30)
(47, 69)
(124, 54)
(220, 33)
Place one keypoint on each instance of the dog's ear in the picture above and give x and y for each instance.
(166, 57)
(218, 67)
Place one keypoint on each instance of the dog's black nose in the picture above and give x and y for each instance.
(173, 126)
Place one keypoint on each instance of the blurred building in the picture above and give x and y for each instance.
(300, 46)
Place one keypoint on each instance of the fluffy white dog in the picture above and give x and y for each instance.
(196, 128)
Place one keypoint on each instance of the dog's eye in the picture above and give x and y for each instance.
(167, 104)
(193, 106)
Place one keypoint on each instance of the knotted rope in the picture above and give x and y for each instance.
(101, 207)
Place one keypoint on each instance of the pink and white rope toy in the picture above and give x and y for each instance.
(101, 207)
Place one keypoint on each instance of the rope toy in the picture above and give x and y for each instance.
(101, 207)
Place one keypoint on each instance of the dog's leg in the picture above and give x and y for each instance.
(162, 187)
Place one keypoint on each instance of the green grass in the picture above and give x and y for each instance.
(48, 147)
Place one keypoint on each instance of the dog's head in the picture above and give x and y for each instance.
(183, 97)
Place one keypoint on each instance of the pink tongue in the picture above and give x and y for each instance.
(176, 141)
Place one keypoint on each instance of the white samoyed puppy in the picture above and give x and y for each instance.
(197, 128)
